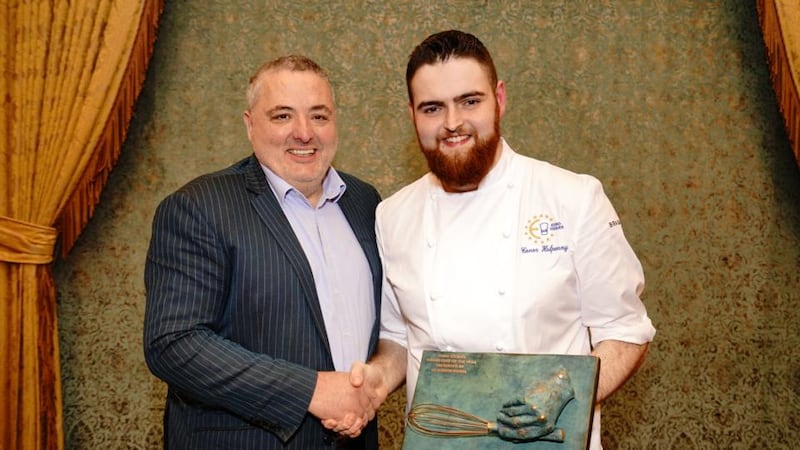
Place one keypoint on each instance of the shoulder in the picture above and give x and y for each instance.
(551, 178)
(547, 169)
(355, 183)
(232, 175)
(408, 196)
(229, 184)
(358, 186)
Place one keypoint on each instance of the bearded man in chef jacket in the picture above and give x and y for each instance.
(493, 251)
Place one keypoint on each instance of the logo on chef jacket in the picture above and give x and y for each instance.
(542, 228)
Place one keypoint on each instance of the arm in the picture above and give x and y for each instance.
(188, 274)
(385, 372)
(612, 282)
(188, 277)
(618, 362)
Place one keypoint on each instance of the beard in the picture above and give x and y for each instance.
(462, 173)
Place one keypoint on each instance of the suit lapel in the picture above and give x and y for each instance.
(267, 207)
(364, 234)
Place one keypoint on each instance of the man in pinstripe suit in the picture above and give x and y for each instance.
(262, 284)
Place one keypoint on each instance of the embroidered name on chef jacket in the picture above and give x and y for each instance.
(542, 231)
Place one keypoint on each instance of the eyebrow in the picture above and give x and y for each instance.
(315, 108)
(323, 108)
(470, 94)
(456, 99)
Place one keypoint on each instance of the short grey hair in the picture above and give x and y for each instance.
(295, 63)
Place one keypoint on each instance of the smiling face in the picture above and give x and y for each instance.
(456, 111)
(291, 124)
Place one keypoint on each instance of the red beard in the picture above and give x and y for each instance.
(462, 173)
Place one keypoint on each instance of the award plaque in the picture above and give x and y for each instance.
(502, 401)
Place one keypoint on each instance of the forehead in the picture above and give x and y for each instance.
(449, 79)
(295, 88)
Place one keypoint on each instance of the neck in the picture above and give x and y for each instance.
(459, 189)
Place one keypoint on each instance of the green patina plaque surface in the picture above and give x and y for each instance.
(480, 383)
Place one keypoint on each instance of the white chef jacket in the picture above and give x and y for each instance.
(527, 263)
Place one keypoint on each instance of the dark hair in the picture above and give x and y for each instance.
(440, 47)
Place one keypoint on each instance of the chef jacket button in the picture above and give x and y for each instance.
(506, 234)
(448, 348)
(431, 244)
(499, 347)
(510, 185)
(434, 297)
(501, 291)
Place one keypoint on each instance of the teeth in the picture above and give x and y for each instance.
(302, 152)
(456, 139)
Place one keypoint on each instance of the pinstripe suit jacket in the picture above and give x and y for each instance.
(233, 323)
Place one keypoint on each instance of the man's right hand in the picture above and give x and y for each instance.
(370, 384)
(373, 382)
(340, 405)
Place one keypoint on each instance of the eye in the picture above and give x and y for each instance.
(472, 101)
(431, 109)
(280, 117)
(320, 118)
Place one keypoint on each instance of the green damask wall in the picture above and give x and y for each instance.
(667, 102)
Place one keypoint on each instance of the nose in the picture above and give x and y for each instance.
(452, 120)
(302, 130)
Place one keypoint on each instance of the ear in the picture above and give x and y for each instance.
(248, 123)
(500, 95)
(410, 111)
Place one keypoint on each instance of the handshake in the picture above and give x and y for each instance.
(347, 402)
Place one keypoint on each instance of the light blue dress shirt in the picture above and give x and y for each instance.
(341, 272)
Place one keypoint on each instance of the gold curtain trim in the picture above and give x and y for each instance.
(81, 205)
(780, 25)
(26, 243)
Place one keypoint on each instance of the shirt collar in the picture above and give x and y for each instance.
(332, 186)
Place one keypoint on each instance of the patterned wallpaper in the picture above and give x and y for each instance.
(667, 102)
